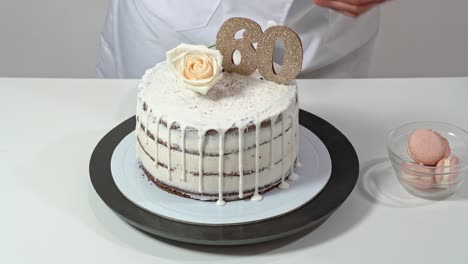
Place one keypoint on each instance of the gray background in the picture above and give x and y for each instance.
(60, 38)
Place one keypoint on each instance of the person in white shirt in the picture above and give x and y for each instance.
(337, 35)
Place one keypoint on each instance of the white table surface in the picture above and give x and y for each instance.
(51, 214)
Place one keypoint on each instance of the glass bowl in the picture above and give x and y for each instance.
(426, 181)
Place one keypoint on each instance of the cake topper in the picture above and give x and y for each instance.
(261, 57)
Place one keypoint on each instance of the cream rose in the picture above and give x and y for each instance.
(196, 66)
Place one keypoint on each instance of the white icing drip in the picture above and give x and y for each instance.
(283, 185)
(257, 196)
(182, 131)
(201, 141)
(292, 176)
(220, 201)
(147, 125)
(169, 155)
(298, 164)
(241, 162)
(138, 117)
(282, 148)
(139, 108)
(156, 138)
(272, 125)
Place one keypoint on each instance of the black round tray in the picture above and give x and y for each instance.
(345, 171)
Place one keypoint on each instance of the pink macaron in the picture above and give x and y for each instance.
(427, 147)
(446, 173)
(419, 177)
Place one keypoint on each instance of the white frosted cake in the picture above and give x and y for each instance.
(237, 141)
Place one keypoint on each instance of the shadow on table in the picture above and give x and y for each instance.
(379, 184)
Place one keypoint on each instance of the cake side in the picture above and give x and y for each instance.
(270, 162)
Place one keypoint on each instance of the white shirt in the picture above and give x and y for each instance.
(138, 33)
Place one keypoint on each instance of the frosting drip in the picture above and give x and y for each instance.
(182, 131)
(292, 175)
(241, 162)
(257, 197)
(283, 185)
(158, 120)
(201, 140)
(220, 201)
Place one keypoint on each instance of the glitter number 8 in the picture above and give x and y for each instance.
(262, 57)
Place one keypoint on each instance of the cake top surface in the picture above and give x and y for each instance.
(234, 101)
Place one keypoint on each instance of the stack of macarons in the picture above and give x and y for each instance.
(433, 160)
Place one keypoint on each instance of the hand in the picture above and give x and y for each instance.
(352, 8)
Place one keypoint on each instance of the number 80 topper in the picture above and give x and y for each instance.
(260, 58)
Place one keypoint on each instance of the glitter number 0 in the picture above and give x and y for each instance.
(262, 57)
(292, 61)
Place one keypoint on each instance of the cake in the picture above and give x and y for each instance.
(211, 135)
(236, 114)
